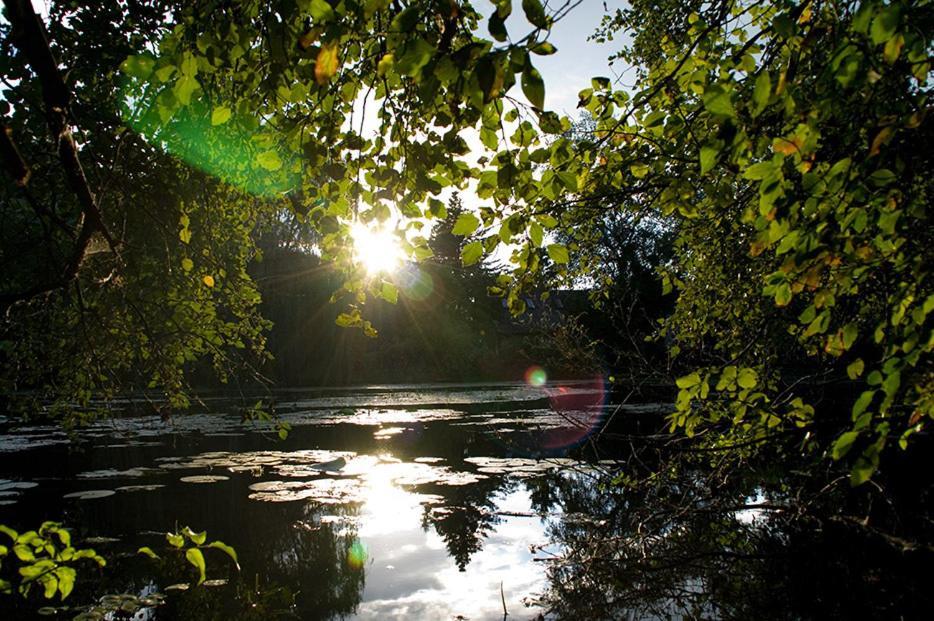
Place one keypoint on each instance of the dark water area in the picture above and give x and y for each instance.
(442, 502)
(402, 502)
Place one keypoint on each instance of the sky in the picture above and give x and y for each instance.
(568, 71)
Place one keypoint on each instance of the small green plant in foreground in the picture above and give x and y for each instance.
(46, 558)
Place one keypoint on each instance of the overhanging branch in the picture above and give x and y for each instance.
(29, 37)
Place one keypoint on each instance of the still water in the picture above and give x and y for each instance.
(409, 502)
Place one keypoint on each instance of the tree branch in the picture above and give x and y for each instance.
(29, 37)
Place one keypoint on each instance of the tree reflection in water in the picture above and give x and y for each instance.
(466, 517)
(678, 535)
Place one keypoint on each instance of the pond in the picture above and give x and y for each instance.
(417, 502)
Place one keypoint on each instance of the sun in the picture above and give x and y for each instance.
(376, 248)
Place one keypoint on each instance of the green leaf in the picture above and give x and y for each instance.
(148, 552)
(843, 444)
(884, 25)
(536, 234)
(423, 253)
(850, 332)
(861, 472)
(471, 253)
(50, 584)
(389, 292)
(717, 101)
(66, 580)
(558, 253)
(783, 294)
(187, 264)
(708, 158)
(490, 78)
(533, 86)
(31, 572)
(639, 171)
(855, 368)
(24, 553)
(220, 115)
(320, 10)
(535, 13)
(862, 403)
(175, 540)
(346, 320)
(189, 65)
(688, 381)
(761, 93)
(747, 378)
(545, 48)
(196, 538)
(195, 557)
(226, 549)
(415, 55)
(406, 20)
(466, 224)
(269, 160)
(497, 28)
(759, 171)
(891, 383)
(164, 73)
(139, 66)
(184, 87)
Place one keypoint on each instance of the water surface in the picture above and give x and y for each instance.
(383, 502)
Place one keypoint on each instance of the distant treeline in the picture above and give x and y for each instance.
(447, 327)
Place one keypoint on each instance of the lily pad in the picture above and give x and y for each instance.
(90, 494)
(18, 485)
(140, 488)
(182, 586)
(214, 583)
(204, 478)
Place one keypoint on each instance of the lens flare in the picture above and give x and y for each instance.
(415, 283)
(536, 376)
(580, 405)
(357, 555)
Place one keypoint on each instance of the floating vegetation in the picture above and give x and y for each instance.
(7, 485)
(325, 491)
(254, 461)
(140, 488)
(215, 583)
(96, 541)
(204, 478)
(123, 606)
(90, 494)
(519, 466)
(111, 473)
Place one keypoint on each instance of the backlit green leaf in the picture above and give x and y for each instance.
(535, 13)
(220, 115)
(196, 558)
(533, 86)
(558, 253)
(466, 224)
